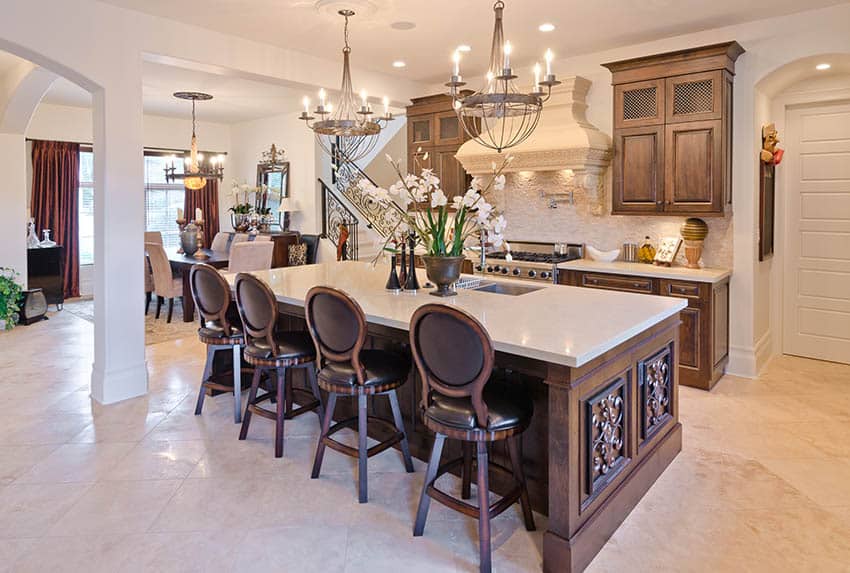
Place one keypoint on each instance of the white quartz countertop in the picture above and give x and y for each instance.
(645, 270)
(560, 324)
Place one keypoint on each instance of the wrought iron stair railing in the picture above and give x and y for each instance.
(336, 219)
(383, 221)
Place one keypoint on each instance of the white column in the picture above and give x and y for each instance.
(13, 198)
(119, 370)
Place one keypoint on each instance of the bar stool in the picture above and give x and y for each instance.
(338, 327)
(455, 356)
(273, 351)
(212, 298)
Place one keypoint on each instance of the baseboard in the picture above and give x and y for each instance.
(747, 362)
(108, 387)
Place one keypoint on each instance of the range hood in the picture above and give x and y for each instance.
(563, 140)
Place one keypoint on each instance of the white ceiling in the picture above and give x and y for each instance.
(235, 99)
(582, 26)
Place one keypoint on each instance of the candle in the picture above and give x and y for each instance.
(179, 214)
(306, 105)
(549, 57)
(322, 97)
(199, 215)
(386, 106)
(536, 76)
(221, 159)
(330, 108)
(364, 98)
(456, 60)
(508, 50)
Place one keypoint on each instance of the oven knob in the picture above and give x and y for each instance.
(496, 268)
(545, 275)
(489, 269)
(504, 270)
(532, 274)
(515, 272)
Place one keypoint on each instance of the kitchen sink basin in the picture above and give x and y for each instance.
(508, 289)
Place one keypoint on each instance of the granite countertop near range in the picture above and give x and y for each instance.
(704, 275)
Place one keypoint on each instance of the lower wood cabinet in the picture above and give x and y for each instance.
(704, 332)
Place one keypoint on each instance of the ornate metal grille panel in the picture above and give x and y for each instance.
(693, 97)
(382, 220)
(654, 378)
(336, 216)
(606, 434)
(640, 103)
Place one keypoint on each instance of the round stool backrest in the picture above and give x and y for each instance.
(453, 353)
(211, 294)
(257, 309)
(337, 325)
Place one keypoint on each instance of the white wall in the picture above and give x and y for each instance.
(13, 215)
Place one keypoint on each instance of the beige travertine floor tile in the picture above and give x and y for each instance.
(211, 504)
(127, 429)
(17, 460)
(76, 463)
(159, 460)
(826, 482)
(388, 546)
(11, 550)
(28, 510)
(116, 507)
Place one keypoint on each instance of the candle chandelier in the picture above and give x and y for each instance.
(346, 132)
(500, 115)
(196, 173)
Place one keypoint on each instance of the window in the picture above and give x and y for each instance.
(86, 208)
(162, 199)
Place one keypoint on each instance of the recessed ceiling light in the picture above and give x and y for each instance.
(463, 48)
(402, 25)
(822, 67)
(546, 27)
(399, 64)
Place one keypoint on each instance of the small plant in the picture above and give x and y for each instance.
(10, 292)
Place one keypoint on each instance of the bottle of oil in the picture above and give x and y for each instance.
(646, 253)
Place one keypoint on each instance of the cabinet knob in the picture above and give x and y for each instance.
(636, 285)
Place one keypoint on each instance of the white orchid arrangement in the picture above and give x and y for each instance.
(442, 226)
(244, 190)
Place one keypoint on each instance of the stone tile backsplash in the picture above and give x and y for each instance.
(530, 219)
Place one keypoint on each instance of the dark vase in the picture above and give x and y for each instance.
(189, 239)
(443, 272)
(393, 283)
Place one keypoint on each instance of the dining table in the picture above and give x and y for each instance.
(181, 262)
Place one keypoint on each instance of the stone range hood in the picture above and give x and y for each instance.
(563, 140)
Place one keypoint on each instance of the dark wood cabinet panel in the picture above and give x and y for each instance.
(688, 94)
(452, 176)
(689, 337)
(639, 170)
(694, 169)
(420, 131)
(448, 129)
(720, 321)
(618, 282)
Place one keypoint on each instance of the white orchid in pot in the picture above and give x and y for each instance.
(441, 226)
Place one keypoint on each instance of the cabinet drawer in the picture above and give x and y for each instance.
(617, 282)
(680, 289)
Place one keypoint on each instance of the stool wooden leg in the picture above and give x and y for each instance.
(430, 475)
(362, 448)
(252, 396)
(282, 400)
(237, 383)
(204, 377)
(466, 473)
(519, 475)
(326, 424)
(314, 386)
(483, 509)
(399, 425)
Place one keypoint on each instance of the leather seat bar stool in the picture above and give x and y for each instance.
(272, 351)
(455, 356)
(218, 317)
(338, 327)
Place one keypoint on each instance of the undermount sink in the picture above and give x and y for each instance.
(508, 289)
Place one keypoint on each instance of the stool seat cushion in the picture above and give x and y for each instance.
(291, 344)
(381, 367)
(509, 406)
(214, 329)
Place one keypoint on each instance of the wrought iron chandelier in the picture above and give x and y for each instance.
(196, 172)
(499, 115)
(346, 132)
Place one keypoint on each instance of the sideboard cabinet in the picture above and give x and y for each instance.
(673, 132)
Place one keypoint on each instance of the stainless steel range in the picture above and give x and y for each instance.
(531, 260)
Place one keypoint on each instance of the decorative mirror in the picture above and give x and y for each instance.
(273, 172)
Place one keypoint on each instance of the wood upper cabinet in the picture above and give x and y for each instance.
(420, 131)
(672, 132)
(639, 169)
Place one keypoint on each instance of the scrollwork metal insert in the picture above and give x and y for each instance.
(656, 391)
(382, 220)
(607, 448)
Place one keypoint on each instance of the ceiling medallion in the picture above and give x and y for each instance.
(347, 132)
(196, 172)
(499, 115)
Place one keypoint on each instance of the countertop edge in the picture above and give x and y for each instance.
(711, 276)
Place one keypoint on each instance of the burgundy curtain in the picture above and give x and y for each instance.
(206, 200)
(55, 199)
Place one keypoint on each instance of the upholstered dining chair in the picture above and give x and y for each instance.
(251, 256)
(165, 284)
(262, 238)
(454, 355)
(220, 242)
(220, 331)
(338, 327)
(150, 237)
(239, 238)
(153, 237)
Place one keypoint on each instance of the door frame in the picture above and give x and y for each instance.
(781, 106)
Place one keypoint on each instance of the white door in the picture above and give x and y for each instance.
(816, 309)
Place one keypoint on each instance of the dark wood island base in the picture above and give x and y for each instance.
(601, 435)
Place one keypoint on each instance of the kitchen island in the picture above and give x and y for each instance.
(600, 366)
